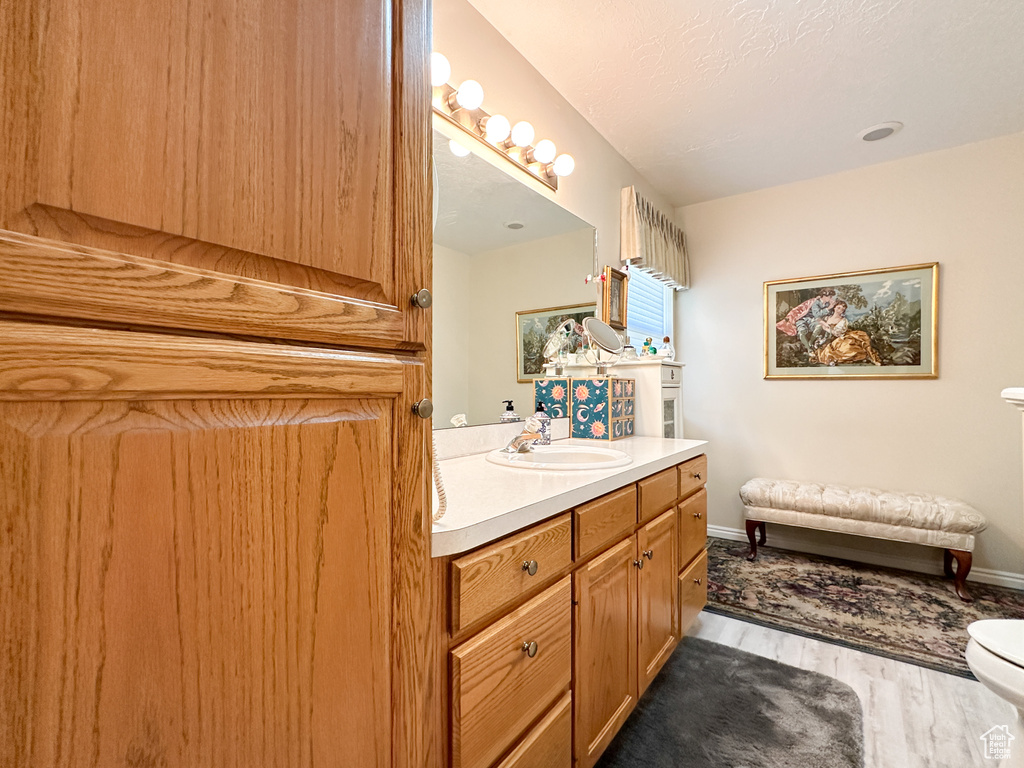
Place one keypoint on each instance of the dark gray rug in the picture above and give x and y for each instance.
(717, 707)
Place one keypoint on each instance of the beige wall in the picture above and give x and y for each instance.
(963, 208)
(514, 88)
(451, 310)
(535, 275)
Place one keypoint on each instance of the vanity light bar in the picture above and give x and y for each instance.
(461, 108)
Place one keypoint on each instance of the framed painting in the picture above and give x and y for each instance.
(875, 324)
(613, 307)
(533, 328)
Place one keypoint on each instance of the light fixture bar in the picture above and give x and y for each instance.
(472, 122)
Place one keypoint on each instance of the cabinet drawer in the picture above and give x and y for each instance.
(658, 493)
(605, 520)
(693, 592)
(693, 526)
(692, 475)
(498, 690)
(484, 581)
(549, 745)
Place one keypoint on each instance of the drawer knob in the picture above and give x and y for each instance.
(697, 582)
(696, 475)
(639, 564)
(423, 408)
(530, 649)
(697, 515)
(530, 566)
(649, 554)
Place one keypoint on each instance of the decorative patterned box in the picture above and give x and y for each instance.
(602, 408)
(554, 393)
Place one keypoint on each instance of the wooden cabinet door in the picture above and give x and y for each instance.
(656, 545)
(197, 565)
(268, 157)
(605, 660)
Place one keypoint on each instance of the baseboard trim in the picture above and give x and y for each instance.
(781, 538)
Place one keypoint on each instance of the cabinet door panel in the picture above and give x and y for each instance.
(197, 581)
(605, 660)
(693, 591)
(656, 543)
(693, 526)
(281, 142)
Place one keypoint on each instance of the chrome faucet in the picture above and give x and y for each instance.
(523, 442)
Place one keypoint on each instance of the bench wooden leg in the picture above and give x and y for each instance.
(763, 526)
(752, 528)
(963, 567)
(947, 563)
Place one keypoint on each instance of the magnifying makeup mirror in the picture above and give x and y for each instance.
(605, 344)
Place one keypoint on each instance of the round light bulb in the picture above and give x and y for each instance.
(457, 149)
(497, 129)
(440, 69)
(545, 151)
(470, 94)
(522, 134)
(564, 165)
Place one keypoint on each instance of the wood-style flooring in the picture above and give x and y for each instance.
(913, 717)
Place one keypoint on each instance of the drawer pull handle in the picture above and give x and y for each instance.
(649, 554)
(639, 564)
(530, 649)
(697, 582)
(530, 566)
(697, 515)
(696, 475)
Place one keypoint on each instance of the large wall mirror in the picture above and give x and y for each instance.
(501, 247)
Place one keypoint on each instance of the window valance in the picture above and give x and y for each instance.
(651, 242)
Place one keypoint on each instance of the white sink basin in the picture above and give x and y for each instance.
(562, 458)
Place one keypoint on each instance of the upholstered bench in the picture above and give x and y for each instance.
(918, 518)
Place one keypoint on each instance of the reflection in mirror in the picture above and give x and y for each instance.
(500, 247)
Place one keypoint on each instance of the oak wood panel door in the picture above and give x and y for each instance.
(605, 669)
(657, 586)
(285, 143)
(203, 576)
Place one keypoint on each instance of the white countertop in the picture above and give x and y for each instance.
(487, 501)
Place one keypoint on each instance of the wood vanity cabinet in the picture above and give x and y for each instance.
(216, 546)
(632, 596)
(626, 629)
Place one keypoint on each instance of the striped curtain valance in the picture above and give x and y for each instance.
(651, 242)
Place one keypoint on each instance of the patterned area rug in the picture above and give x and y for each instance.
(903, 615)
(713, 706)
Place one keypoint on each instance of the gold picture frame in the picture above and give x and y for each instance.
(870, 324)
(533, 326)
(613, 299)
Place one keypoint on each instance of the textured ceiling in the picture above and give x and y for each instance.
(709, 98)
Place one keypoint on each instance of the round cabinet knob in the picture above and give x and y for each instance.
(424, 408)
(697, 582)
(530, 649)
(422, 298)
(696, 475)
(697, 515)
(530, 566)
(649, 554)
(639, 564)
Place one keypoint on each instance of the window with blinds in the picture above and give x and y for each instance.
(648, 309)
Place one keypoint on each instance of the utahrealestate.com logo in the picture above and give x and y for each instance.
(997, 742)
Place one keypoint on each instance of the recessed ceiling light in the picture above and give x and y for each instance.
(514, 225)
(880, 131)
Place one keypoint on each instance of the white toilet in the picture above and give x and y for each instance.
(995, 654)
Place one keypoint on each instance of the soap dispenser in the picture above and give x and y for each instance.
(545, 424)
(510, 413)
